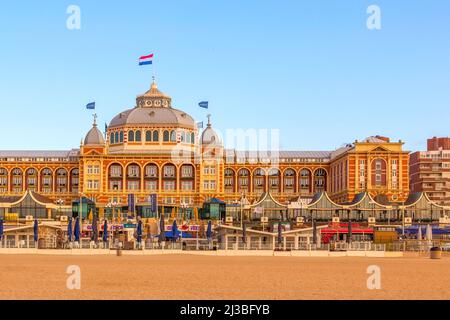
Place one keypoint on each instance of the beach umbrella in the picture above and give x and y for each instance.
(419, 233)
(36, 230)
(174, 231)
(105, 231)
(1, 229)
(94, 230)
(429, 234)
(77, 230)
(69, 230)
(280, 233)
(244, 233)
(209, 231)
(90, 216)
(350, 232)
(162, 229)
(139, 232)
(314, 227)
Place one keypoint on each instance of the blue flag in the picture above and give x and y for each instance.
(204, 104)
(90, 106)
(200, 125)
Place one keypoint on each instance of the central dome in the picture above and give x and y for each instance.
(153, 107)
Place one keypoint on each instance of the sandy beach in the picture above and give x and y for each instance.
(215, 277)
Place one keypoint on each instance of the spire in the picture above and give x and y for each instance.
(154, 85)
(209, 120)
(95, 120)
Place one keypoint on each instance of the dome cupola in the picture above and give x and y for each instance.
(94, 137)
(209, 135)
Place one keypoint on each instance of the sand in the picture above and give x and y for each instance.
(211, 277)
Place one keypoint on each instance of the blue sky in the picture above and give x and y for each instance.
(309, 68)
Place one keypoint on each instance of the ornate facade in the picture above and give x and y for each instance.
(156, 148)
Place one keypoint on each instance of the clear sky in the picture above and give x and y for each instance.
(309, 68)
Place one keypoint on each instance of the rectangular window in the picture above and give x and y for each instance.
(378, 178)
(289, 182)
(93, 184)
(133, 185)
(115, 185)
(169, 185)
(151, 185)
(304, 183)
(243, 182)
(187, 185)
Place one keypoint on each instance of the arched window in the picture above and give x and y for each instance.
(131, 136)
(61, 180)
(121, 136)
(182, 138)
(116, 137)
(166, 136)
(111, 138)
(3, 180)
(188, 138)
(155, 136)
(173, 136)
(138, 136)
(148, 136)
(192, 137)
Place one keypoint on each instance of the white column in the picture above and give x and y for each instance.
(296, 243)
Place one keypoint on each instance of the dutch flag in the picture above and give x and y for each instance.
(144, 60)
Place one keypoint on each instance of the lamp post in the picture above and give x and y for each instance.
(60, 202)
(184, 206)
(242, 210)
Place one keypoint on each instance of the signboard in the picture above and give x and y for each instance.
(11, 216)
(264, 219)
(131, 203)
(286, 226)
(129, 226)
(153, 199)
(194, 228)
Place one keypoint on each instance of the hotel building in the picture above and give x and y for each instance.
(154, 148)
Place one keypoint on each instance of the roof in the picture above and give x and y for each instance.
(94, 136)
(153, 116)
(267, 200)
(376, 139)
(39, 153)
(38, 198)
(210, 137)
